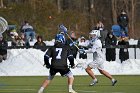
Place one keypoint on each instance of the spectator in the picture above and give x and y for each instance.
(28, 31)
(21, 40)
(102, 32)
(123, 53)
(72, 44)
(13, 33)
(40, 44)
(14, 40)
(82, 45)
(110, 40)
(18, 40)
(123, 20)
(3, 50)
(138, 42)
(99, 26)
(103, 36)
(116, 29)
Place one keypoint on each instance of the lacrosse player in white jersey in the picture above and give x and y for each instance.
(98, 58)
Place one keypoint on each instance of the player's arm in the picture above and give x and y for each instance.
(46, 58)
(94, 48)
(71, 60)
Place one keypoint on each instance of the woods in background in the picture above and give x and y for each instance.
(78, 15)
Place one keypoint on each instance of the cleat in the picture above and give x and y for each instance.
(114, 82)
(93, 83)
(72, 91)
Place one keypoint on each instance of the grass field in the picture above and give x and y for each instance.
(125, 84)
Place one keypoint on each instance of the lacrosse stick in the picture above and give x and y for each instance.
(3, 25)
(64, 29)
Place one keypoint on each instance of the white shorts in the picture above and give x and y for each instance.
(97, 64)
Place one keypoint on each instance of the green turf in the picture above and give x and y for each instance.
(125, 84)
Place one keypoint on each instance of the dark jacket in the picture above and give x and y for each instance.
(110, 52)
(138, 42)
(40, 45)
(123, 53)
(73, 48)
(3, 46)
(123, 20)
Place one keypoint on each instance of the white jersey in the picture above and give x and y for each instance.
(99, 57)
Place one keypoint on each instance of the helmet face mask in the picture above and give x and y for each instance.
(94, 34)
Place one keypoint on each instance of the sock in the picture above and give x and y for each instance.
(70, 87)
(95, 79)
(113, 79)
(42, 88)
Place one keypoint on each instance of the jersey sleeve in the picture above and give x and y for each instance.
(47, 56)
(70, 57)
(95, 46)
(48, 53)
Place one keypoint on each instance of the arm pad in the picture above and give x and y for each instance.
(71, 59)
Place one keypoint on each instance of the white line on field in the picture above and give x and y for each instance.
(81, 91)
(19, 89)
(84, 91)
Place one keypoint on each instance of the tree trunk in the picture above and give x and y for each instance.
(33, 4)
(59, 6)
(132, 32)
(132, 20)
(1, 4)
(114, 11)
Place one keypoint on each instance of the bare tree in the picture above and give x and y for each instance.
(59, 5)
(1, 4)
(132, 22)
(114, 11)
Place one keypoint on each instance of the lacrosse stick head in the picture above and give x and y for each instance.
(3, 25)
(63, 28)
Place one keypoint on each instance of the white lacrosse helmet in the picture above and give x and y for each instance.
(95, 32)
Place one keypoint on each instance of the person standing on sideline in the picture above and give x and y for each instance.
(98, 59)
(123, 52)
(138, 43)
(123, 20)
(110, 40)
(72, 44)
(29, 32)
(59, 54)
(83, 44)
(3, 50)
(40, 44)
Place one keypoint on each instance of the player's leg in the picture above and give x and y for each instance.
(45, 84)
(91, 74)
(70, 81)
(105, 73)
(47, 81)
